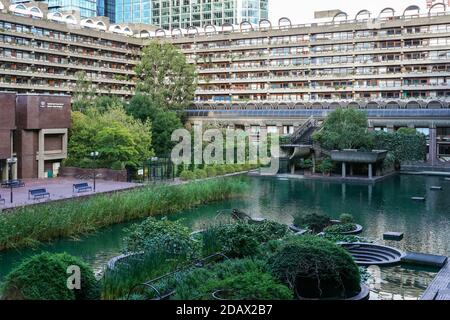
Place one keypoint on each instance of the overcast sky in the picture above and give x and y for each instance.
(302, 11)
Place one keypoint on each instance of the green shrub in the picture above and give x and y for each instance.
(117, 165)
(229, 168)
(237, 280)
(316, 268)
(44, 277)
(346, 218)
(325, 166)
(337, 237)
(340, 228)
(161, 236)
(242, 239)
(220, 170)
(313, 221)
(187, 175)
(211, 171)
(200, 174)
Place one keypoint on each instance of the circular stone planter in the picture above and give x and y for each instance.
(368, 254)
(114, 261)
(219, 295)
(358, 230)
(362, 295)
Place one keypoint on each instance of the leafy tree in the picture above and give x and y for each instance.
(104, 103)
(141, 107)
(120, 139)
(116, 145)
(163, 125)
(345, 129)
(84, 92)
(166, 77)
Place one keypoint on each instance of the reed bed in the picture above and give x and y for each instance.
(30, 226)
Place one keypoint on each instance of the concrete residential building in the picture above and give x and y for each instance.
(174, 14)
(257, 77)
(45, 55)
(34, 129)
(396, 67)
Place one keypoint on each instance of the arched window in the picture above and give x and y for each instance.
(392, 105)
(265, 24)
(340, 14)
(373, 105)
(435, 105)
(227, 28)
(434, 6)
(386, 12)
(412, 105)
(246, 26)
(176, 32)
(411, 8)
(160, 33)
(144, 34)
(284, 23)
(363, 13)
(192, 31)
(210, 29)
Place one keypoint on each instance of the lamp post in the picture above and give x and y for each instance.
(11, 161)
(94, 156)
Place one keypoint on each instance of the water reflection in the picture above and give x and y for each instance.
(385, 206)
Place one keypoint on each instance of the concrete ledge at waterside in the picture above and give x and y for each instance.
(335, 178)
(423, 259)
(394, 236)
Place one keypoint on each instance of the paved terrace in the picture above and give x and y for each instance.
(59, 189)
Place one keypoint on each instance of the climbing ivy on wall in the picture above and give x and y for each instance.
(403, 145)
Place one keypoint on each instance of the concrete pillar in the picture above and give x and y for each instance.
(351, 169)
(313, 163)
(65, 140)
(344, 170)
(433, 147)
(370, 171)
(5, 172)
(292, 168)
(41, 150)
(14, 171)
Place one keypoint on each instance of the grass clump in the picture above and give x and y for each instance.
(31, 225)
(44, 277)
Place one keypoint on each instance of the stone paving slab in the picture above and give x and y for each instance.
(59, 189)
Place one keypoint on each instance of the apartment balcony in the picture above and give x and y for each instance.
(89, 45)
(58, 88)
(229, 91)
(46, 75)
(66, 53)
(66, 65)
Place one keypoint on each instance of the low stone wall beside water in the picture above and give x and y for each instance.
(101, 173)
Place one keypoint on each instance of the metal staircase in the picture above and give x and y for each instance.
(303, 135)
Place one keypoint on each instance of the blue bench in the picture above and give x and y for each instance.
(81, 187)
(38, 194)
(13, 184)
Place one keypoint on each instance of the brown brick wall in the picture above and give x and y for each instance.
(7, 122)
(27, 144)
(39, 112)
(53, 142)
